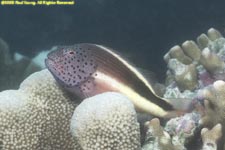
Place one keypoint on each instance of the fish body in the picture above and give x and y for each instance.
(89, 69)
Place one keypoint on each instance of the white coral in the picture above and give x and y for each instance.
(105, 122)
(37, 116)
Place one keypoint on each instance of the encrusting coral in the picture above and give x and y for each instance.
(36, 116)
(106, 121)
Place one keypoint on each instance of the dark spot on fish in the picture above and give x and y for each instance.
(71, 53)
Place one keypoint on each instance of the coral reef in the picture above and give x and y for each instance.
(197, 71)
(214, 102)
(40, 115)
(36, 116)
(191, 67)
(106, 121)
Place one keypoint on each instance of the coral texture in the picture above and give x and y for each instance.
(182, 129)
(106, 121)
(197, 71)
(158, 139)
(211, 137)
(214, 102)
(37, 116)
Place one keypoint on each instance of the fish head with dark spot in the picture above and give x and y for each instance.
(71, 65)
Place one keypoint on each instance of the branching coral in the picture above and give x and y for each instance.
(214, 102)
(37, 116)
(158, 139)
(105, 122)
(174, 136)
(194, 66)
(211, 137)
(202, 66)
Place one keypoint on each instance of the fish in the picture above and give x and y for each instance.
(87, 69)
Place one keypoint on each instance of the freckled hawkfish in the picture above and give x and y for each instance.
(89, 69)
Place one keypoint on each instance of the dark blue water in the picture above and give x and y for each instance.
(144, 29)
